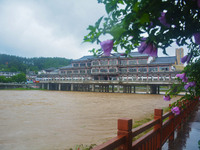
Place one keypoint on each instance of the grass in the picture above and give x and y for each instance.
(146, 120)
(83, 147)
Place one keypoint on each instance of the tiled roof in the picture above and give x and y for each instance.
(114, 55)
(69, 66)
(50, 69)
(85, 58)
(164, 60)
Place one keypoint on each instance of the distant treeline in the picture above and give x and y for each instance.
(14, 63)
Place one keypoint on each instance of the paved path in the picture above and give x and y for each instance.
(188, 138)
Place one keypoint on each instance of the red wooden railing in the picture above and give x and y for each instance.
(163, 127)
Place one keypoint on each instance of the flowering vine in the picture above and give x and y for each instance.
(163, 23)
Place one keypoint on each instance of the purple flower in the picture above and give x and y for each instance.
(190, 84)
(151, 25)
(186, 58)
(142, 46)
(176, 110)
(183, 77)
(186, 86)
(107, 47)
(197, 35)
(149, 49)
(167, 98)
(163, 20)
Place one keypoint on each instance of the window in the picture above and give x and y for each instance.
(142, 69)
(123, 70)
(153, 69)
(104, 62)
(132, 69)
(95, 70)
(82, 65)
(95, 63)
(112, 62)
(103, 70)
(76, 65)
(89, 64)
(82, 71)
(88, 71)
(69, 72)
(123, 62)
(132, 62)
(164, 68)
(75, 71)
(112, 70)
(142, 61)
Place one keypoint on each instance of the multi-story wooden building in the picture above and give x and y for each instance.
(116, 67)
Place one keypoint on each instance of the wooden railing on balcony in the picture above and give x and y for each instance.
(162, 128)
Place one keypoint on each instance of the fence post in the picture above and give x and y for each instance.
(171, 119)
(158, 115)
(125, 128)
(180, 115)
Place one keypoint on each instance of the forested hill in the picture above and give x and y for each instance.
(22, 64)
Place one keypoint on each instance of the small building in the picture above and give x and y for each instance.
(8, 74)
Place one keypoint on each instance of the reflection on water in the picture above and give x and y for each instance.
(46, 120)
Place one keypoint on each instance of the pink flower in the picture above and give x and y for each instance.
(163, 20)
(190, 84)
(183, 77)
(107, 47)
(149, 49)
(167, 98)
(176, 110)
(197, 35)
(186, 58)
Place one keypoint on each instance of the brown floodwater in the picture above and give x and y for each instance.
(58, 120)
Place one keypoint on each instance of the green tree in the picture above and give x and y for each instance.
(2, 79)
(19, 78)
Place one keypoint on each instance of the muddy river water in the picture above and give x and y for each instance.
(55, 120)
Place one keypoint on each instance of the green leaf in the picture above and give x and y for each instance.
(135, 7)
(144, 18)
(98, 22)
(117, 31)
(91, 28)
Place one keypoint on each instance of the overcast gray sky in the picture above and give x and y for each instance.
(47, 28)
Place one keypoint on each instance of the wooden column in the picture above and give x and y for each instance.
(125, 128)
(158, 115)
(47, 86)
(72, 87)
(59, 86)
(118, 88)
